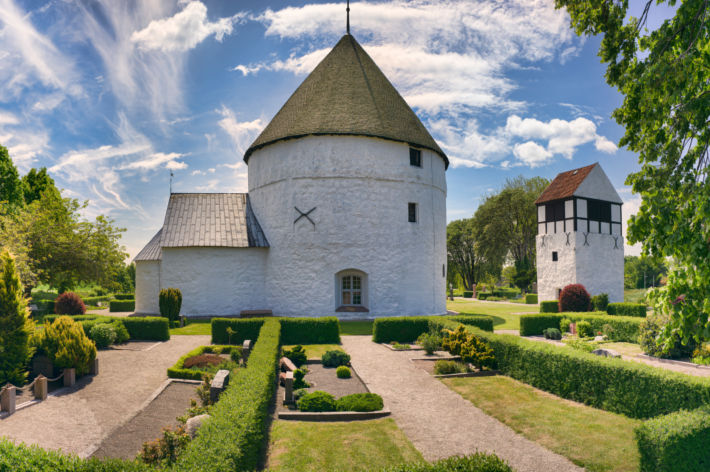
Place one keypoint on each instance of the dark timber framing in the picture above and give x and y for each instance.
(556, 214)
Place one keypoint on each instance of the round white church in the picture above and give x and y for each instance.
(345, 215)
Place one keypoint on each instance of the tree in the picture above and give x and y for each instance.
(465, 256)
(35, 183)
(643, 272)
(10, 183)
(663, 75)
(15, 324)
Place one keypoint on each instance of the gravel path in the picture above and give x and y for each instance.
(78, 419)
(439, 422)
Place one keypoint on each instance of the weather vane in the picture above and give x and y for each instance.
(347, 24)
(171, 182)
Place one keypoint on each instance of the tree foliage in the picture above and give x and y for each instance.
(643, 272)
(15, 325)
(466, 256)
(10, 183)
(35, 183)
(663, 76)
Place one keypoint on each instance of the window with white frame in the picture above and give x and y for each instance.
(351, 290)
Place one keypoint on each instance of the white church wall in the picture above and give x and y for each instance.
(554, 275)
(360, 188)
(600, 267)
(147, 287)
(216, 281)
(597, 185)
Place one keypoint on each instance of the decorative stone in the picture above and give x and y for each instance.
(606, 353)
(69, 377)
(94, 367)
(219, 383)
(288, 387)
(287, 364)
(7, 399)
(40, 388)
(194, 423)
(246, 350)
(599, 338)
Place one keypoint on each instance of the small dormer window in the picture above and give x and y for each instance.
(412, 212)
(415, 157)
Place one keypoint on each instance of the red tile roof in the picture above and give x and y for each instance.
(565, 184)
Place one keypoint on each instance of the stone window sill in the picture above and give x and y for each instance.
(351, 309)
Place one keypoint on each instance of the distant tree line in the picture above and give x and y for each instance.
(643, 272)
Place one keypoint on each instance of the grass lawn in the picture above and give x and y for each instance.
(635, 295)
(194, 328)
(355, 446)
(346, 328)
(316, 351)
(502, 313)
(595, 439)
(355, 328)
(626, 349)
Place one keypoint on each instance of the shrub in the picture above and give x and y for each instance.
(15, 325)
(444, 367)
(574, 297)
(468, 294)
(121, 332)
(649, 331)
(469, 346)
(66, 344)
(297, 394)
(242, 328)
(676, 442)
(124, 296)
(564, 325)
(400, 347)
(335, 358)
(400, 329)
(297, 355)
(550, 306)
(94, 301)
(343, 372)
(484, 295)
(531, 298)
(360, 402)
(150, 328)
(163, 452)
(430, 342)
(484, 322)
(317, 401)
(552, 333)
(584, 329)
(103, 335)
(600, 302)
(69, 303)
(324, 330)
(181, 370)
(298, 381)
(505, 293)
(625, 328)
(627, 309)
(534, 325)
(478, 462)
(121, 305)
(170, 302)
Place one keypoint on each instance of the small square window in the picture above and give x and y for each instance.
(415, 157)
(554, 256)
(412, 212)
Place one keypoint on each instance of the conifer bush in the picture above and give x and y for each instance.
(297, 355)
(343, 372)
(69, 303)
(170, 302)
(317, 401)
(574, 297)
(335, 358)
(66, 344)
(15, 324)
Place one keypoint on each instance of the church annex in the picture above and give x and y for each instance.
(345, 215)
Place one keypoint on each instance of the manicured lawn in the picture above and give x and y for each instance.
(502, 313)
(316, 351)
(355, 328)
(626, 349)
(595, 439)
(635, 295)
(354, 446)
(194, 328)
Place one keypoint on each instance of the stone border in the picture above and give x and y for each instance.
(333, 415)
(413, 347)
(673, 361)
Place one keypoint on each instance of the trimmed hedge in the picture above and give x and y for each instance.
(549, 306)
(534, 325)
(483, 322)
(624, 328)
(94, 301)
(627, 309)
(310, 330)
(468, 294)
(478, 462)
(630, 388)
(234, 436)
(404, 329)
(124, 296)
(244, 328)
(506, 292)
(148, 328)
(484, 295)
(178, 371)
(677, 442)
(531, 298)
(121, 305)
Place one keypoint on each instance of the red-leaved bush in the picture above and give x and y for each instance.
(69, 303)
(574, 297)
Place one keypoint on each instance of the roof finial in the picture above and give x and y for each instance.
(347, 25)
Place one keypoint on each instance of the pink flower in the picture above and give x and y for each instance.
(680, 299)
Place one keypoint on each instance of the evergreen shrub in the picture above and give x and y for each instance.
(531, 298)
(403, 329)
(170, 302)
(624, 328)
(243, 329)
(103, 335)
(317, 401)
(65, 344)
(574, 297)
(124, 296)
(335, 358)
(343, 372)
(478, 462)
(297, 355)
(468, 293)
(552, 333)
(584, 329)
(121, 305)
(649, 330)
(69, 303)
(360, 402)
(484, 295)
(15, 325)
(484, 322)
(151, 328)
(600, 302)
(444, 367)
(549, 306)
(430, 342)
(627, 309)
(564, 325)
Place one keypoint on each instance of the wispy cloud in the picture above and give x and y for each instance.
(242, 133)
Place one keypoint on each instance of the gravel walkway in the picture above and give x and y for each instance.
(78, 419)
(439, 422)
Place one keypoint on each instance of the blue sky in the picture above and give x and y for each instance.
(113, 95)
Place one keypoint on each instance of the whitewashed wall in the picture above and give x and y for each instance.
(597, 266)
(360, 188)
(147, 287)
(215, 281)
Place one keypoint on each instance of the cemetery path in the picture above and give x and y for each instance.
(439, 422)
(77, 419)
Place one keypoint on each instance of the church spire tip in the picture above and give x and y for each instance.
(347, 13)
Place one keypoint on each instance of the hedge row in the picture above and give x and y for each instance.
(124, 296)
(483, 322)
(627, 309)
(121, 305)
(624, 328)
(677, 442)
(630, 388)
(533, 325)
(94, 301)
(549, 306)
(178, 371)
(149, 328)
(234, 436)
(531, 298)
(468, 294)
(402, 329)
(478, 462)
(310, 330)
(244, 328)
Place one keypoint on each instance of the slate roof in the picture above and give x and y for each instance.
(565, 184)
(152, 251)
(347, 94)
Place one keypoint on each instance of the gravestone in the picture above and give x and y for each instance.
(288, 387)
(246, 350)
(219, 383)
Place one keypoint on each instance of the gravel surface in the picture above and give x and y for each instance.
(439, 422)
(76, 420)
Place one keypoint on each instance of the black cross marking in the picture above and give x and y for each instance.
(616, 242)
(567, 243)
(542, 241)
(305, 215)
(586, 243)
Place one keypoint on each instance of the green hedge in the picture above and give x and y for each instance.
(121, 305)
(94, 301)
(627, 309)
(234, 436)
(148, 328)
(403, 329)
(124, 296)
(483, 322)
(677, 442)
(310, 330)
(478, 462)
(549, 306)
(484, 295)
(178, 371)
(468, 294)
(506, 292)
(531, 298)
(245, 328)
(630, 388)
(624, 328)
(534, 325)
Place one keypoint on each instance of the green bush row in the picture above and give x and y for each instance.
(178, 371)
(244, 328)
(478, 462)
(234, 437)
(402, 329)
(483, 322)
(531, 298)
(94, 301)
(468, 294)
(483, 295)
(549, 306)
(123, 296)
(677, 442)
(149, 328)
(627, 309)
(630, 388)
(121, 305)
(310, 330)
(623, 328)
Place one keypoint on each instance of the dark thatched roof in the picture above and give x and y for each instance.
(347, 94)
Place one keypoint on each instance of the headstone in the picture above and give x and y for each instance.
(69, 377)
(40, 388)
(219, 383)
(7, 399)
(94, 367)
(606, 353)
(246, 350)
(194, 423)
(288, 387)
(599, 338)
(473, 288)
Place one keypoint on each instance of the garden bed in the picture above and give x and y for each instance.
(404, 347)
(427, 365)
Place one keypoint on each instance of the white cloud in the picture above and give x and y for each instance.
(604, 145)
(631, 206)
(48, 103)
(183, 31)
(532, 153)
(153, 161)
(7, 118)
(242, 133)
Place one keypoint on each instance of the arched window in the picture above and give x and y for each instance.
(351, 290)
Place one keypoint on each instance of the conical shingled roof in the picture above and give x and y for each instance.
(347, 94)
